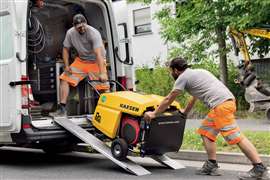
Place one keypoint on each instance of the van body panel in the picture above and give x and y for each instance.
(29, 126)
(10, 67)
(21, 9)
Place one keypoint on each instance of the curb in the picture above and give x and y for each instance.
(222, 157)
(233, 158)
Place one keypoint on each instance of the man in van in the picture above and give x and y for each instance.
(204, 86)
(90, 61)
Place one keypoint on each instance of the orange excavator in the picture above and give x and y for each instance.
(254, 73)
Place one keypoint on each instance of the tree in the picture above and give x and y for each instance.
(201, 24)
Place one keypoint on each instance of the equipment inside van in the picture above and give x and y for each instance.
(31, 42)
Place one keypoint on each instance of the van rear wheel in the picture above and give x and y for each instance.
(58, 148)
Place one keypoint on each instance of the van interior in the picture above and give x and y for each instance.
(48, 23)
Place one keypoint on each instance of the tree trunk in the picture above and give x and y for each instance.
(220, 32)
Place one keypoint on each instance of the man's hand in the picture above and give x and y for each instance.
(68, 69)
(103, 77)
(148, 116)
(182, 110)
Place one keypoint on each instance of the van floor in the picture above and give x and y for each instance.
(47, 122)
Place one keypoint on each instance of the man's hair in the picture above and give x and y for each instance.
(178, 63)
(78, 19)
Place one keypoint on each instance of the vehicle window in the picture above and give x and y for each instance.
(142, 20)
(6, 38)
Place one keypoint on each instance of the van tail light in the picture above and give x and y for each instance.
(123, 81)
(26, 126)
(126, 82)
(25, 93)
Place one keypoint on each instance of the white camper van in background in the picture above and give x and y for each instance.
(31, 37)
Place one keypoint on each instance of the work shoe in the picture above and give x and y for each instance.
(209, 168)
(257, 172)
(61, 111)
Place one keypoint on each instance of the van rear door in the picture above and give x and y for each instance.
(12, 42)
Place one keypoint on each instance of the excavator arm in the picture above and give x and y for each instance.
(256, 93)
(239, 44)
(265, 33)
(238, 39)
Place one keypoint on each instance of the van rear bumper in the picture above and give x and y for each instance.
(36, 136)
(45, 135)
(31, 134)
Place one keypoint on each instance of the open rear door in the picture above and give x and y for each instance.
(12, 42)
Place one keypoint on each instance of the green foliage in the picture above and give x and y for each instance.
(200, 20)
(198, 26)
(236, 89)
(260, 139)
(154, 81)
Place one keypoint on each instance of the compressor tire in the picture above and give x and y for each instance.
(119, 149)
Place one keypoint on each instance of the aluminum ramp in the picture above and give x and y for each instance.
(102, 148)
(167, 161)
(99, 146)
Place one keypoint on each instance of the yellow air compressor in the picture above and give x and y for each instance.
(119, 116)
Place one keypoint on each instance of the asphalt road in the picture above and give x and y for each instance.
(28, 164)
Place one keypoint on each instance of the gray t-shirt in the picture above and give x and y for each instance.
(86, 43)
(204, 86)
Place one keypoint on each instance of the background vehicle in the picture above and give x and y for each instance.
(32, 33)
(254, 74)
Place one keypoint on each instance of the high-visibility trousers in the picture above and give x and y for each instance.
(221, 120)
(81, 69)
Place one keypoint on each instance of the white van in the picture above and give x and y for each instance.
(31, 37)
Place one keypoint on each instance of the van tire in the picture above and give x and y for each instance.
(58, 148)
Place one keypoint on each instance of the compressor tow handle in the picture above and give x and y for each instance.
(90, 82)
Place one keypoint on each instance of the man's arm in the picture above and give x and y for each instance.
(167, 101)
(101, 64)
(163, 105)
(190, 105)
(66, 58)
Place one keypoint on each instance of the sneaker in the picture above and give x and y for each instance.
(257, 172)
(209, 168)
(61, 111)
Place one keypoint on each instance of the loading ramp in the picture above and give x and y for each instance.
(102, 148)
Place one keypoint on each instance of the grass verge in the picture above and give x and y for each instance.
(260, 139)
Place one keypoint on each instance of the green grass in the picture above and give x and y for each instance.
(260, 139)
(250, 115)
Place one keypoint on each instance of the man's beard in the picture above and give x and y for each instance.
(175, 76)
(81, 32)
